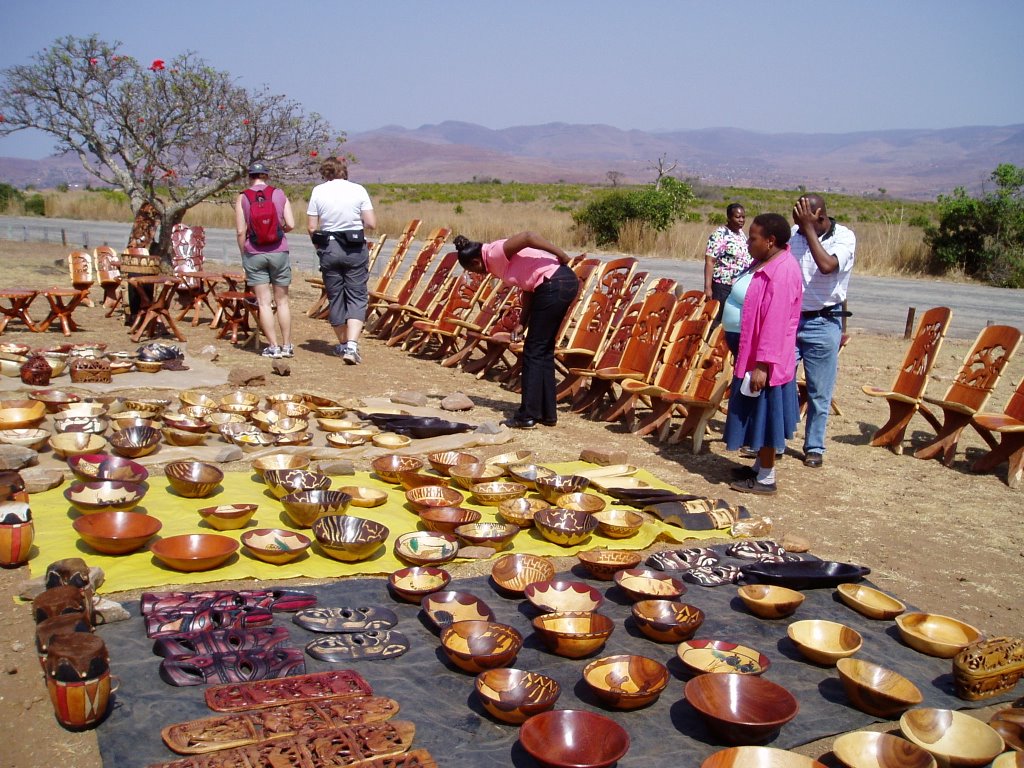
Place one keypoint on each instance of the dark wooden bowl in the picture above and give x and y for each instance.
(193, 479)
(443, 461)
(514, 573)
(573, 634)
(741, 709)
(666, 621)
(194, 551)
(474, 646)
(135, 441)
(186, 423)
(447, 519)
(573, 738)
(514, 695)
(116, 532)
(626, 681)
(494, 493)
(281, 482)
(433, 496)
(550, 487)
(99, 466)
(564, 527)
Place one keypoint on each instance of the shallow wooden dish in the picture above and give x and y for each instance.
(952, 737)
(503, 460)
(281, 482)
(194, 551)
(870, 602)
(387, 467)
(336, 425)
(494, 493)
(760, 757)
(588, 503)
(521, 511)
(433, 496)
(573, 634)
(574, 738)
(33, 438)
(275, 545)
(626, 681)
(741, 709)
(667, 621)
(649, 584)
(116, 532)
(135, 442)
(877, 690)
(770, 601)
(936, 635)
(550, 487)
(426, 547)
(720, 656)
(868, 749)
(474, 646)
(564, 527)
(194, 397)
(497, 536)
(185, 423)
(363, 496)
(104, 496)
(303, 508)
(228, 517)
(468, 474)
(563, 595)
(193, 479)
(99, 466)
(514, 572)
(182, 438)
(444, 608)
(442, 461)
(390, 440)
(514, 695)
(447, 519)
(240, 398)
(54, 399)
(70, 444)
(349, 539)
(619, 523)
(412, 584)
(603, 564)
(346, 439)
(22, 417)
(824, 642)
(279, 461)
(527, 474)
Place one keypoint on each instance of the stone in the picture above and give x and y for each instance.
(209, 352)
(408, 397)
(337, 467)
(16, 456)
(476, 553)
(604, 457)
(242, 377)
(490, 428)
(38, 479)
(457, 401)
(109, 610)
(229, 453)
(281, 368)
(792, 542)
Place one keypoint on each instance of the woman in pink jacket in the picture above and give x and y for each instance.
(763, 407)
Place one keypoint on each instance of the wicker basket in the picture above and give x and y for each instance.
(140, 264)
(90, 370)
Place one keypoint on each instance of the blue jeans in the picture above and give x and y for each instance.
(817, 345)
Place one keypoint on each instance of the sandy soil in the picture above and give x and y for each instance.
(943, 539)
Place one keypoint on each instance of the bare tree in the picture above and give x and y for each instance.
(662, 168)
(171, 133)
(614, 177)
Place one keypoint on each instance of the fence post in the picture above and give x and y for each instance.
(910, 322)
(63, 237)
(24, 233)
(85, 240)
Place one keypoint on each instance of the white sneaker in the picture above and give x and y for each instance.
(351, 355)
(274, 352)
(288, 350)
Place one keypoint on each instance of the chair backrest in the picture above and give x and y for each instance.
(108, 264)
(712, 371)
(432, 292)
(421, 263)
(1015, 407)
(398, 254)
(680, 356)
(924, 348)
(80, 267)
(641, 352)
(983, 366)
(187, 245)
(463, 296)
(689, 304)
(375, 250)
(663, 285)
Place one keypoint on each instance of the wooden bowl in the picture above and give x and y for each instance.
(54, 399)
(291, 409)
(1009, 723)
(122, 422)
(550, 487)
(494, 493)
(363, 496)
(200, 413)
(468, 474)
(33, 438)
(877, 690)
(868, 749)
(514, 573)
(228, 517)
(194, 551)
(416, 479)
(573, 634)
(279, 461)
(304, 508)
(514, 695)
(219, 418)
(104, 496)
(283, 397)
(741, 709)
(135, 441)
(293, 438)
(527, 474)
(619, 523)
(442, 461)
(70, 444)
(238, 409)
(504, 460)
(497, 536)
(474, 646)
(769, 601)
(936, 635)
(97, 425)
(667, 621)
(240, 398)
(720, 656)
(23, 417)
(870, 602)
(649, 584)
(151, 407)
(116, 532)
(88, 409)
(281, 482)
(253, 441)
(275, 545)
(349, 539)
(186, 423)
(391, 441)
(193, 479)
(444, 608)
(574, 738)
(412, 584)
(824, 642)
(318, 401)
(336, 425)
(447, 519)
(760, 757)
(603, 564)
(331, 411)
(192, 397)
(348, 438)
(181, 437)
(521, 511)
(626, 681)
(563, 595)
(99, 466)
(581, 502)
(387, 467)
(954, 738)
(564, 527)
(426, 547)
(433, 496)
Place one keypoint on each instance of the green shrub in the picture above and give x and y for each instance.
(35, 205)
(920, 220)
(8, 195)
(716, 219)
(650, 206)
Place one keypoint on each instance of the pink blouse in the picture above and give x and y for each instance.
(527, 269)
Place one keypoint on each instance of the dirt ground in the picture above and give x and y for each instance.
(943, 539)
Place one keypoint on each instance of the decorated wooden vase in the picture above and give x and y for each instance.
(16, 542)
(78, 679)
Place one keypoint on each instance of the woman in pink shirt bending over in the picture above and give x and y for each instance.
(539, 268)
(763, 408)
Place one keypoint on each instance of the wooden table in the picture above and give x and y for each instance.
(20, 299)
(61, 310)
(198, 289)
(235, 314)
(155, 294)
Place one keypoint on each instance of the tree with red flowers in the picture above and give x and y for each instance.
(171, 133)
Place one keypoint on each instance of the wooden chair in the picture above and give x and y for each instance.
(375, 250)
(380, 300)
(452, 331)
(904, 397)
(1009, 425)
(969, 392)
(80, 267)
(398, 317)
(108, 272)
(704, 393)
(470, 290)
(398, 255)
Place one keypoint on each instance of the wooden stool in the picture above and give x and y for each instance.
(319, 309)
(61, 311)
(199, 288)
(234, 314)
(20, 299)
(154, 308)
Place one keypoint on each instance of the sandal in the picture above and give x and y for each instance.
(232, 667)
(345, 619)
(219, 641)
(713, 576)
(385, 644)
(170, 623)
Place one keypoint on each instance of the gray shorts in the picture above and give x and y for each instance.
(263, 268)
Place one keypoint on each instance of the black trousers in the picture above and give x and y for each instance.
(551, 301)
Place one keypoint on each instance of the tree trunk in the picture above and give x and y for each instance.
(162, 246)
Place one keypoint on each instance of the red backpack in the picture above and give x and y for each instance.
(264, 224)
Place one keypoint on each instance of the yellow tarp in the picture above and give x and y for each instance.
(56, 539)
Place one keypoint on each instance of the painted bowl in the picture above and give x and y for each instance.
(447, 519)
(953, 738)
(649, 584)
(201, 413)
(253, 441)
(238, 409)
(287, 425)
(97, 425)
(936, 635)
(363, 496)
(504, 460)
(442, 461)
(391, 441)
(413, 478)
(283, 397)
(626, 681)
(468, 474)
(619, 523)
(33, 438)
(150, 406)
(870, 602)
(330, 425)
(564, 527)
(494, 493)
(550, 487)
(233, 430)
(573, 634)
(349, 539)
(868, 749)
(667, 621)
(603, 564)
(474, 646)
(194, 397)
(281, 482)
(279, 461)
(104, 496)
(127, 419)
(135, 442)
(741, 709)
(54, 399)
(240, 398)
(228, 517)
(219, 418)
(181, 437)
(99, 466)
(444, 608)
(574, 738)
(876, 690)
(70, 444)
(513, 573)
(194, 551)
(304, 508)
(824, 642)
(116, 532)
(769, 601)
(720, 656)
(514, 695)
(527, 474)
(433, 496)
(387, 467)
(348, 438)
(426, 547)
(293, 438)
(22, 417)
(413, 583)
(581, 502)
(762, 757)
(275, 545)
(521, 511)
(319, 401)
(193, 479)
(497, 536)
(186, 423)
(563, 595)
(292, 409)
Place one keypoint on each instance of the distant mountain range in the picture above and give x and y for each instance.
(906, 163)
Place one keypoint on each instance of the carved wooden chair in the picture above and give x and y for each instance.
(398, 316)
(187, 258)
(1009, 447)
(108, 272)
(969, 392)
(375, 250)
(904, 397)
(703, 395)
(471, 292)
(397, 256)
(449, 329)
(380, 300)
(80, 267)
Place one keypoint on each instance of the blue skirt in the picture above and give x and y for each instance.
(766, 420)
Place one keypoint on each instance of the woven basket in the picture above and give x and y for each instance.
(140, 264)
(90, 370)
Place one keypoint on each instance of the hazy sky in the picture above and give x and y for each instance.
(764, 65)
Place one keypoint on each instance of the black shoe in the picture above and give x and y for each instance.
(521, 422)
(813, 460)
(743, 473)
(549, 422)
(750, 485)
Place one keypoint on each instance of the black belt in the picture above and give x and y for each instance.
(834, 311)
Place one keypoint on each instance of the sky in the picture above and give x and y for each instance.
(771, 66)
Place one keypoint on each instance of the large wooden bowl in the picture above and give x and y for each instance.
(240, 398)
(513, 573)
(67, 422)
(868, 749)
(228, 517)
(564, 526)
(667, 621)
(414, 583)
(514, 695)
(304, 508)
(649, 584)
(563, 595)
(387, 467)
(877, 690)
(550, 487)
(492, 494)
(186, 423)
(870, 602)
(443, 461)
(54, 399)
(413, 478)
(349, 539)
(936, 635)
(275, 545)
(121, 421)
(760, 757)
(23, 417)
(116, 533)
(173, 436)
(447, 519)
(433, 496)
(954, 738)
(279, 461)
(824, 642)
(34, 438)
(741, 709)
(194, 397)
(527, 474)
(573, 738)
(618, 523)
(497, 536)
(444, 608)
(71, 444)
(468, 474)
(589, 503)
(281, 482)
(573, 634)
(521, 511)
(426, 547)
(626, 681)
(770, 601)
(99, 466)
(104, 496)
(194, 551)
(702, 656)
(363, 496)
(474, 646)
(603, 564)
(193, 479)
(503, 460)
(135, 441)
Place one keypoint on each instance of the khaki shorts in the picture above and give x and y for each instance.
(264, 268)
